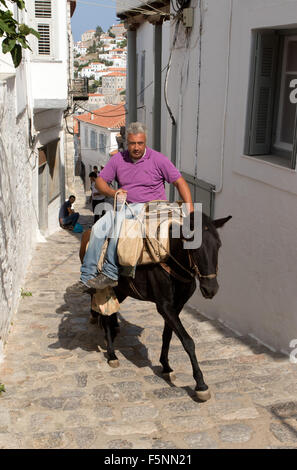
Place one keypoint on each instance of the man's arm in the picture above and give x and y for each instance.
(184, 192)
(70, 211)
(105, 189)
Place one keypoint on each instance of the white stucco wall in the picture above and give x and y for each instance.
(257, 266)
(49, 75)
(18, 204)
(207, 92)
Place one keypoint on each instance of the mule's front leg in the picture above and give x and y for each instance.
(166, 338)
(202, 390)
(110, 334)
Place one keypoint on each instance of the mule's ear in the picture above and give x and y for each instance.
(220, 222)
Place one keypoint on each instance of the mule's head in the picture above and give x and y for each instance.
(205, 258)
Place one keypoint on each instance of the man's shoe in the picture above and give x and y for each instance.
(80, 288)
(101, 281)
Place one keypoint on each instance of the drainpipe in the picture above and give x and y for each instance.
(157, 85)
(132, 75)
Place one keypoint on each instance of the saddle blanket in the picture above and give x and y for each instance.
(145, 239)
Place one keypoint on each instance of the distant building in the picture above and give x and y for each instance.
(96, 101)
(80, 47)
(112, 82)
(97, 133)
(88, 35)
(118, 29)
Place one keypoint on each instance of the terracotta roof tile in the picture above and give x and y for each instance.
(109, 116)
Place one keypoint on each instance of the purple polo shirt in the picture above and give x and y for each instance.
(143, 180)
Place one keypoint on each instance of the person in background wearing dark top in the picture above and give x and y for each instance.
(95, 169)
(96, 197)
(67, 216)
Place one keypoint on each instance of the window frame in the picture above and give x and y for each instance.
(93, 140)
(50, 22)
(275, 155)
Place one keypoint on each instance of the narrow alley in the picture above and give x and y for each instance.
(61, 393)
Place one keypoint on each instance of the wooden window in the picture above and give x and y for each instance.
(43, 9)
(86, 138)
(93, 137)
(271, 119)
(102, 143)
(43, 18)
(44, 42)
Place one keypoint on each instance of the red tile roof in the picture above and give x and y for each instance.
(115, 74)
(109, 116)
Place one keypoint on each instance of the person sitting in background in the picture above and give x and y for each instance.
(67, 216)
(96, 197)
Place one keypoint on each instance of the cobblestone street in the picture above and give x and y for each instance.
(61, 393)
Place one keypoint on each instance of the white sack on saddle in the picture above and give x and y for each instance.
(145, 240)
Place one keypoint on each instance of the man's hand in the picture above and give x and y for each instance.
(121, 195)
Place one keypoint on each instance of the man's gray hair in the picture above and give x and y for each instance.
(136, 128)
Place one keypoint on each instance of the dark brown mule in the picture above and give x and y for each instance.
(170, 289)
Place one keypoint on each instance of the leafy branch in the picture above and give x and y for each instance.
(14, 33)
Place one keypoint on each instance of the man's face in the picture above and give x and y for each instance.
(71, 200)
(136, 145)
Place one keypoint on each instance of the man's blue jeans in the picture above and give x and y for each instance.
(107, 226)
(70, 219)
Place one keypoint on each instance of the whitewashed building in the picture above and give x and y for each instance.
(230, 127)
(32, 165)
(80, 48)
(97, 132)
(112, 81)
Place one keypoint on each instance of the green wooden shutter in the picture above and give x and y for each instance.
(263, 94)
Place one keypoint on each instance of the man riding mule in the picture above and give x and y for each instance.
(170, 290)
(140, 173)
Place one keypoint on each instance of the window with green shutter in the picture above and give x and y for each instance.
(271, 118)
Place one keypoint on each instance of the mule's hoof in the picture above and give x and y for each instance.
(114, 363)
(203, 395)
(169, 376)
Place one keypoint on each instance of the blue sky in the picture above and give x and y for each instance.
(88, 16)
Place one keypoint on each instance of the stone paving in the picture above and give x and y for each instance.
(61, 393)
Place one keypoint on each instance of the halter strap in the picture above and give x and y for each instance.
(198, 273)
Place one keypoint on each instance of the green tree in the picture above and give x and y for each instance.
(123, 44)
(92, 49)
(13, 32)
(95, 85)
(99, 31)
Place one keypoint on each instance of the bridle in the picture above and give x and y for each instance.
(197, 271)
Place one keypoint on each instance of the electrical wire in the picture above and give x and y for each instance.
(167, 74)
